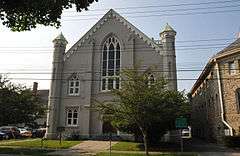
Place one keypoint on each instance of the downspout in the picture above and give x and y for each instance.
(221, 100)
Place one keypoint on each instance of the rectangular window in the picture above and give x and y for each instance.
(74, 87)
(238, 99)
(232, 68)
(238, 66)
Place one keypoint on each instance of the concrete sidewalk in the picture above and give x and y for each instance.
(85, 148)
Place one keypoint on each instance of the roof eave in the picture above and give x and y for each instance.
(203, 75)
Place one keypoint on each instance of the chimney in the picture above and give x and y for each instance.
(35, 88)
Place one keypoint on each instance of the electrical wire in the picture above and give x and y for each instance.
(163, 6)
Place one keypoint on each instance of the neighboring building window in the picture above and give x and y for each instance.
(74, 86)
(211, 75)
(238, 66)
(72, 117)
(232, 68)
(111, 64)
(238, 99)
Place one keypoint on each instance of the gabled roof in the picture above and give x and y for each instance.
(111, 14)
(234, 45)
(225, 52)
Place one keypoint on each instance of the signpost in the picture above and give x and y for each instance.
(60, 130)
(181, 123)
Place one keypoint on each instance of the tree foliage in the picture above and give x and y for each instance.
(21, 15)
(18, 104)
(148, 106)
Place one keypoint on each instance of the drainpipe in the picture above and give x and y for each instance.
(221, 100)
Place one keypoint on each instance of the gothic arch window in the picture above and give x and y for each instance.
(110, 64)
(72, 117)
(74, 85)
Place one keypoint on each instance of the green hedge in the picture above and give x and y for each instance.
(232, 141)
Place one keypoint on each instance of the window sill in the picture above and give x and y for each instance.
(71, 126)
(73, 95)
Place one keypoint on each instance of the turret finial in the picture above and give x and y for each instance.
(60, 39)
(168, 28)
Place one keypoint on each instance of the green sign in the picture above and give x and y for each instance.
(181, 122)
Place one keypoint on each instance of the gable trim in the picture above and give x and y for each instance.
(111, 14)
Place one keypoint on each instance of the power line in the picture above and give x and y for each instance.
(147, 50)
(159, 11)
(93, 80)
(99, 72)
(163, 6)
(177, 41)
(159, 15)
(100, 45)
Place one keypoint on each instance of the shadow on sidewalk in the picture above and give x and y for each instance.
(198, 145)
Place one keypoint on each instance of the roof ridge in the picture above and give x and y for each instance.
(232, 45)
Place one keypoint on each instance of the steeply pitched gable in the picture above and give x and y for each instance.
(112, 14)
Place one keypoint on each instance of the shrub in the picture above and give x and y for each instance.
(232, 141)
(73, 137)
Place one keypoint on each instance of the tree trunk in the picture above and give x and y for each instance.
(145, 141)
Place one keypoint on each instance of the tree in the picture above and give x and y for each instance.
(22, 15)
(144, 103)
(18, 104)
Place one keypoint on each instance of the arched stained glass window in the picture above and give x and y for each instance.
(111, 64)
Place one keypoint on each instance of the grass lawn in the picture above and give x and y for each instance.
(142, 154)
(128, 146)
(36, 143)
(132, 146)
(11, 140)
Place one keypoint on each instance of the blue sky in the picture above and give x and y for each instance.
(31, 51)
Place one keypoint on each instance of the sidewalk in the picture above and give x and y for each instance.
(85, 148)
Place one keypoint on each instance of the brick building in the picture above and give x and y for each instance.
(215, 96)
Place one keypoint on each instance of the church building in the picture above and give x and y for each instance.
(90, 69)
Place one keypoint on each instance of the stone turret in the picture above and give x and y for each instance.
(169, 65)
(55, 90)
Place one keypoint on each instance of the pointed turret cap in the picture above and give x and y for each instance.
(168, 28)
(60, 38)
